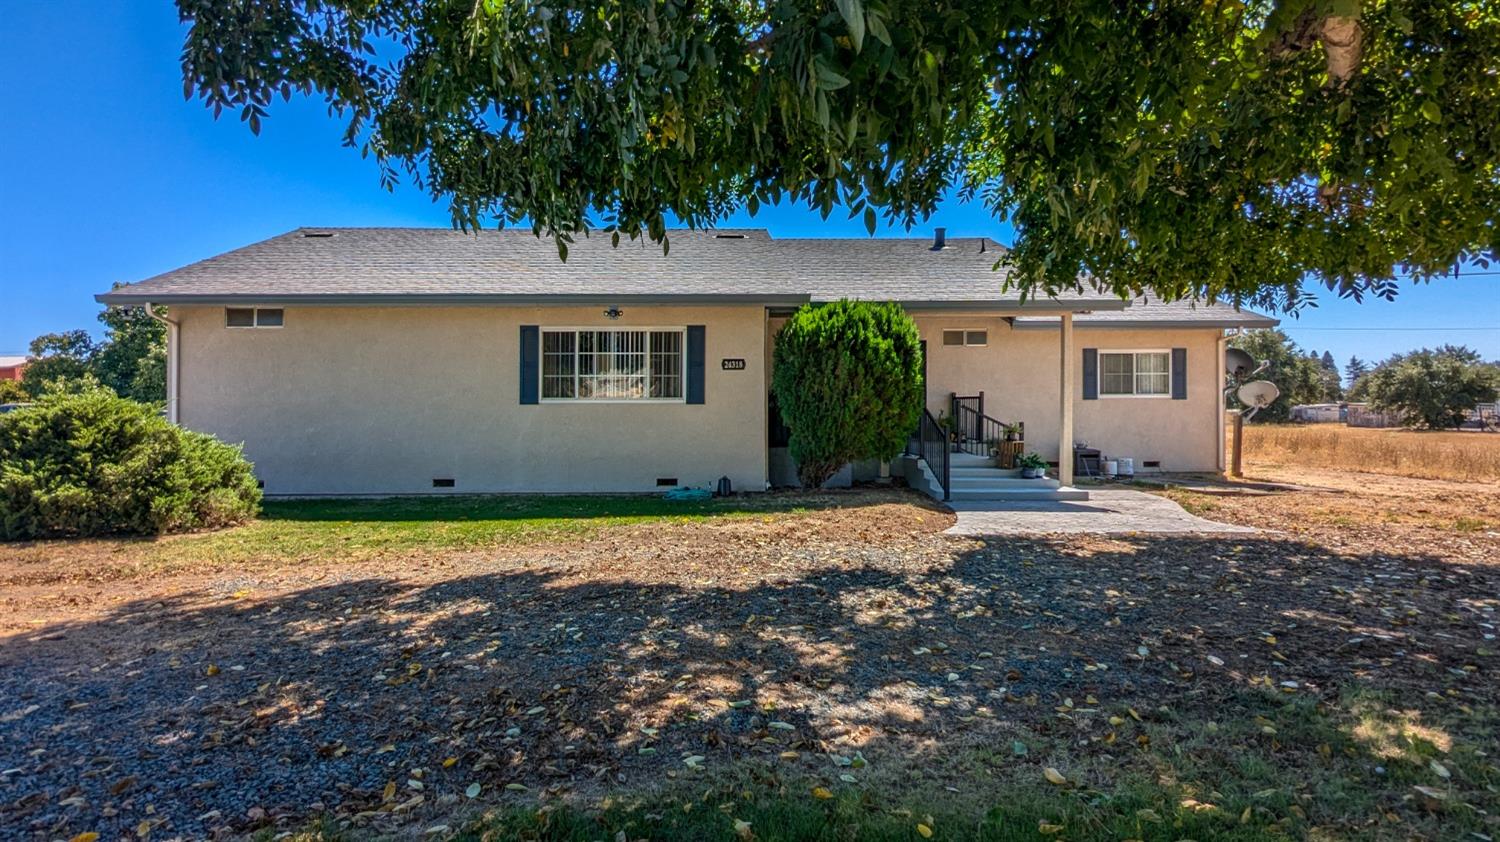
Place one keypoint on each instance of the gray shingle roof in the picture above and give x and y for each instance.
(366, 265)
(1149, 311)
(441, 265)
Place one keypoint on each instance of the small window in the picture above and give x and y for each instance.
(253, 316)
(971, 338)
(1135, 373)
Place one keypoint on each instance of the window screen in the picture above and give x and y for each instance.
(972, 338)
(253, 316)
(1135, 373)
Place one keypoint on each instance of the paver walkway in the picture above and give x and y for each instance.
(1109, 511)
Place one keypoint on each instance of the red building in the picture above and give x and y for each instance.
(11, 367)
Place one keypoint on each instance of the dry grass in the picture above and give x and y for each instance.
(1469, 457)
(660, 676)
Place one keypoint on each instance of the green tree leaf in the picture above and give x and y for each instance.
(853, 13)
(1195, 150)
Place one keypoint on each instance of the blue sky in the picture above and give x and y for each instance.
(112, 176)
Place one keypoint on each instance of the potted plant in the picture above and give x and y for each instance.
(1032, 466)
(945, 421)
(1012, 432)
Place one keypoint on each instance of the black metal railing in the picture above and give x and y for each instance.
(931, 443)
(976, 433)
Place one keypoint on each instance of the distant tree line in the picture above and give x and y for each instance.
(131, 360)
(1431, 387)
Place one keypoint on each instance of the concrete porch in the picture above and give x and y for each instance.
(975, 479)
(967, 472)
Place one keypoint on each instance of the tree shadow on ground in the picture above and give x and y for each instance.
(203, 712)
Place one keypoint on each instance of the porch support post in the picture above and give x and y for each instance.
(1220, 406)
(1065, 404)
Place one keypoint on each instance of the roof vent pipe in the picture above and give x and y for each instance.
(939, 238)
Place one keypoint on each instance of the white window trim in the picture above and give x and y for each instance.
(543, 330)
(966, 331)
(254, 319)
(1099, 374)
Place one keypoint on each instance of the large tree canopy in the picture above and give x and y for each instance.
(1188, 147)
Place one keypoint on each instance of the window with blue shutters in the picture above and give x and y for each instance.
(598, 364)
(1137, 374)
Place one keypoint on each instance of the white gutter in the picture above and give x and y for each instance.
(173, 354)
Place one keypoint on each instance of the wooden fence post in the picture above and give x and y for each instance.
(1239, 444)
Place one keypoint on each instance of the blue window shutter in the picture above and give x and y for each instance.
(530, 351)
(1090, 374)
(1179, 374)
(695, 364)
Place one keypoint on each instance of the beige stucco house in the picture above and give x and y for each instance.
(403, 361)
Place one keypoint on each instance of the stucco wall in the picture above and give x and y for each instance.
(384, 400)
(1018, 372)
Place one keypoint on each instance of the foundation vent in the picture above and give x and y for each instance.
(445, 482)
(666, 482)
(1152, 463)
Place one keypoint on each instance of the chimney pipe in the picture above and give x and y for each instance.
(939, 238)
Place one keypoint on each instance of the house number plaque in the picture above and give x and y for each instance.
(734, 364)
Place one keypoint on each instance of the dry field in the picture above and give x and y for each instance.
(1469, 456)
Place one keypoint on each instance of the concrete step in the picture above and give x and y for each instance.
(1065, 493)
(1001, 481)
(954, 471)
(969, 460)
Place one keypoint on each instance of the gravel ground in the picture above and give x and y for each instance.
(382, 693)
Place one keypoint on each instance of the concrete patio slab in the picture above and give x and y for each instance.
(1109, 511)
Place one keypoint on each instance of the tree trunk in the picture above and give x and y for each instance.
(1342, 41)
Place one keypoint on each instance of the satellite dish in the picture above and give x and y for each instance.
(1258, 394)
(1239, 364)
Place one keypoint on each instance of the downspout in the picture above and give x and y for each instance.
(173, 353)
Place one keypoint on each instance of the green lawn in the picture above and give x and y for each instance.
(350, 529)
